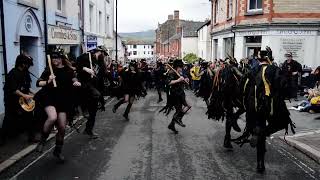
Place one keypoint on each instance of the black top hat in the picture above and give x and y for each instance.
(24, 59)
(177, 63)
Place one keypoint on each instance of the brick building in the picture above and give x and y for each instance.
(243, 27)
(176, 37)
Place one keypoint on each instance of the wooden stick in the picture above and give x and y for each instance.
(51, 70)
(90, 60)
(176, 72)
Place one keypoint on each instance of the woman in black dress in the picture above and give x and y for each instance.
(131, 87)
(56, 100)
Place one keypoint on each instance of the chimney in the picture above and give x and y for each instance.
(176, 15)
(170, 17)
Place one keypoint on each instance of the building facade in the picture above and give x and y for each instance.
(2, 71)
(139, 50)
(242, 27)
(176, 37)
(204, 41)
(98, 21)
(63, 23)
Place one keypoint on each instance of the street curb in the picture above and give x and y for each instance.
(18, 156)
(304, 148)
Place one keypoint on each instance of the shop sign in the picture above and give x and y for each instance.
(278, 33)
(294, 45)
(61, 35)
(92, 42)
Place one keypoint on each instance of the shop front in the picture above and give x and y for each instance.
(65, 38)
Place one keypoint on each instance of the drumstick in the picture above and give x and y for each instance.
(175, 72)
(90, 60)
(51, 71)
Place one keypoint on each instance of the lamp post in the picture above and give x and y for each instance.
(116, 31)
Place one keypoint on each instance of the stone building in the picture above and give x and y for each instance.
(176, 37)
(243, 27)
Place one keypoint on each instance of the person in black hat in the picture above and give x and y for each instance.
(17, 84)
(292, 69)
(57, 100)
(159, 79)
(266, 110)
(90, 85)
(176, 94)
(131, 87)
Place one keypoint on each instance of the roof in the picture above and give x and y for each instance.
(190, 28)
(139, 42)
(207, 23)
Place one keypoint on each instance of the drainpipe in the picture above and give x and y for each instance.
(45, 27)
(83, 49)
(5, 65)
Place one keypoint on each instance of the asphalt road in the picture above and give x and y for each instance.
(144, 148)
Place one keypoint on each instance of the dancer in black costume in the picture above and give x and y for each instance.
(56, 100)
(176, 94)
(131, 87)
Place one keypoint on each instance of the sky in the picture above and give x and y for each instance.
(141, 15)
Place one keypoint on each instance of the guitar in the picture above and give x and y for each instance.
(27, 105)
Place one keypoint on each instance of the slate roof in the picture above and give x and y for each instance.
(190, 28)
(207, 23)
(139, 42)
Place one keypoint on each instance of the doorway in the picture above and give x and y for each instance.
(30, 46)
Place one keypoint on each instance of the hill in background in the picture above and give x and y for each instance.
(149, 36)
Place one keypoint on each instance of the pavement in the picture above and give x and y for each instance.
(144, 148)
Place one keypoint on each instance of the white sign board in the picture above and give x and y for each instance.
(60, 35)
(295, 45)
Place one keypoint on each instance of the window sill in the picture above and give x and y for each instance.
(229, 18)
(29, 4)
(61, 14)
(215, 24)
(254, 12)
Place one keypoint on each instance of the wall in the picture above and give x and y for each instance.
(189, 45)
(204, 43)
(2, 77)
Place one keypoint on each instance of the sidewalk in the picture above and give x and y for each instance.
(308, 143)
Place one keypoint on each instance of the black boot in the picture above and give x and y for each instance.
(126, 113)
(91, 134)
(57, 153)
(116, 106)
(172, 128)
(227, 142)
(260, 164)
(41, 144)
(235, 125)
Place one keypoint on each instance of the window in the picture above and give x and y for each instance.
(253, 39)
(254, 5)
(144, 52)
(216, 9)
(144, 47)
(60, 5)
(107, 25)
(230, 8)
(100, 21)
(134, 47)
(151, 52)
(134, 52)
(91, 17)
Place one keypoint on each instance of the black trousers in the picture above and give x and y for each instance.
(93, 96)
(178, 115)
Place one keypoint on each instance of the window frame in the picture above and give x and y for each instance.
(256, 9)
(61, 6)
(230, 9)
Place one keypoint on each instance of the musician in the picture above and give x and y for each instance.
(131, 87)
(89, 81)
(18, 83)
(57, 101)
(160, 78)
(176, 94)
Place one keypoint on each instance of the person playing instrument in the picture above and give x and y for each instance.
(131, 86)
(57, 100)
(87, 74)
(176, 94)
(17, 85)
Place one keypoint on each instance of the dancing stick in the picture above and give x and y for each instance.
(51, 71)
(176, 72)
(90, 60)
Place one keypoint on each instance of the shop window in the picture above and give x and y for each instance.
(254, 5)
(253, 39)
(228, 47)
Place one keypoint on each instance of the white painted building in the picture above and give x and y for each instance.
(122, 50)
(98, 22)
(140, 50)
(204, 41)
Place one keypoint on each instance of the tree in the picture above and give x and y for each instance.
(190, 58)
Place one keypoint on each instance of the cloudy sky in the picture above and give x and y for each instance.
(140, 15)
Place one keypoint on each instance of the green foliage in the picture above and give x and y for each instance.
(190, 58)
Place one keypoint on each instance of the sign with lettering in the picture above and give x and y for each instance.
(91, 42)
(61, 35)
(294, 45)
(278, 33)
